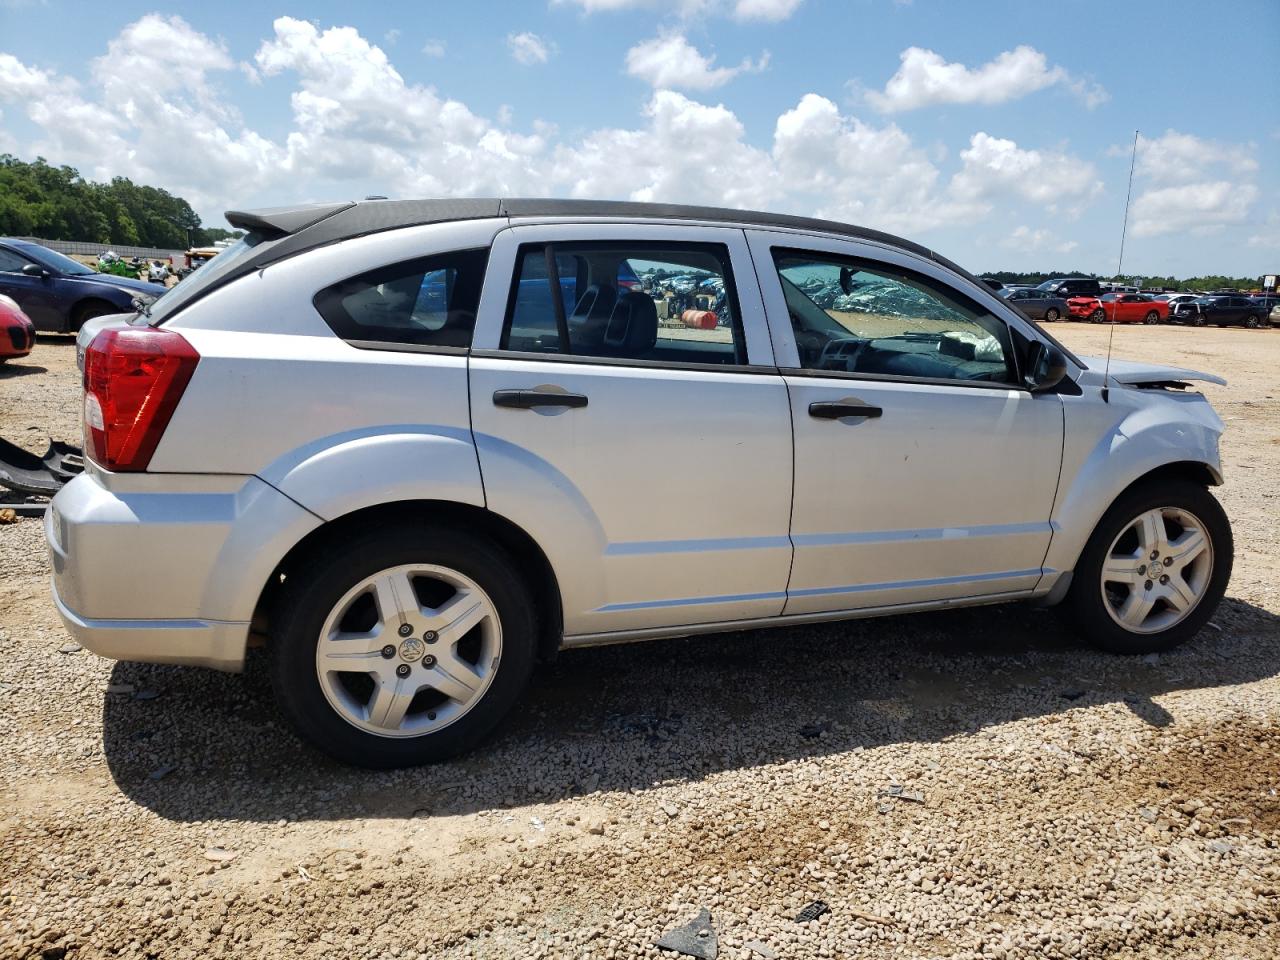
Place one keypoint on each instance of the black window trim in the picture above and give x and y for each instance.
(551, 249)
(1013, 363)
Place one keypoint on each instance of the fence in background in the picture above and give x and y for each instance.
(82, 249)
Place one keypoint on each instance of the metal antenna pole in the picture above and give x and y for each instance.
(1124, 228)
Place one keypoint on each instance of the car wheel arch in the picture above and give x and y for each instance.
(524, 550)
(80, 311)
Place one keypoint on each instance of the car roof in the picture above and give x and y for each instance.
(21, 244)
(306, 226)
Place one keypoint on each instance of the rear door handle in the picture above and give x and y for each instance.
(528, 399)
(838, 409)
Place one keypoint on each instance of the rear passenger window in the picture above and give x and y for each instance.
(658, 302)
(429, 302)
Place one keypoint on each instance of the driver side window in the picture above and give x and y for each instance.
(881, 320)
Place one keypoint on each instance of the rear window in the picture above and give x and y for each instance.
(430, 302)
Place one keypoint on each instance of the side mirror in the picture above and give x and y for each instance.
(1046, 367)
(35, 270)
(847, 283)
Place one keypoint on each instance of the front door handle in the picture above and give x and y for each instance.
(838, 409)
(528, 399)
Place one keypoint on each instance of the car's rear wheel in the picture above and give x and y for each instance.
(1098, 316)
(1052, 314)
(1252, 322)
(1152, 317)
(1154, 570)
(407, 646)
(1197, 320)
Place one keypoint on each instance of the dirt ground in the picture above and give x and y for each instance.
(971, 784)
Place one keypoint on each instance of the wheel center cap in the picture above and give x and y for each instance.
(412, 649)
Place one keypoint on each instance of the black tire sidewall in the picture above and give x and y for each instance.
(1085, 601)
(320, 583)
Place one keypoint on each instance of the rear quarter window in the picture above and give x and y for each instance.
(426, 302)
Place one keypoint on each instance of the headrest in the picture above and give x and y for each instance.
(633, 326)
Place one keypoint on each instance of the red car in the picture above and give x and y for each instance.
(17, 333)
(1119, 308)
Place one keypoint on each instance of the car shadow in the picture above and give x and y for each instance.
(197, 745)
(16, 368)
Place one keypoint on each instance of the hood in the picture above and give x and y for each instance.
(126, 283)
(1132, 373)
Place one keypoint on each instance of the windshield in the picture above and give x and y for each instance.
(207, 275)
(56, 261)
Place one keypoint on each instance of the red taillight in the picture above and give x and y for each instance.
(133, 380)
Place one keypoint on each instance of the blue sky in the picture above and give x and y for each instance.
(996, 132)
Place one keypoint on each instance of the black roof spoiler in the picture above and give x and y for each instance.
(275, 222)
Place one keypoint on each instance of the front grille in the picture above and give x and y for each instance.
(19, 337)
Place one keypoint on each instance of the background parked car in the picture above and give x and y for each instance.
(1119, 308)
(17, 333)
(57, 293)
(1036, 304)
(1222, 311)
(1067, 287)
(1173, 299)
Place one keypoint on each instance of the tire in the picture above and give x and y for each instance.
(1198, 320)
(1098, 608)
(87, 310)
(1098, 316)
(325, 706)
(1152, 317)
(1051, 314)
(1252, 323)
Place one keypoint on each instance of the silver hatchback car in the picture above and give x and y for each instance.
(413, 446)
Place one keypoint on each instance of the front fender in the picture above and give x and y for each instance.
(1108, 446)
(345, 472)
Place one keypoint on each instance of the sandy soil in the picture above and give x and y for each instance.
(1055, 802)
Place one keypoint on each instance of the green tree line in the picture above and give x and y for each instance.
(56, 203)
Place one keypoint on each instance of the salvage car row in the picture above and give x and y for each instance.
(1082, 298)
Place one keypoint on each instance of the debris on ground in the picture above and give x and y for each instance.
(894, 792)
(8, 515)
(697, 938)
(761, 949)
(220, 854)
(812, 912)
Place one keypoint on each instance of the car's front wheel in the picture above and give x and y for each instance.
(1098, 316)
(403, 647)
(1154, 570)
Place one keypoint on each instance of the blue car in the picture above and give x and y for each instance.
(59, 294)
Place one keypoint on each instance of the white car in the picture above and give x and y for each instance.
(420, 444)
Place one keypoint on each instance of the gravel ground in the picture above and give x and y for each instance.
(968, 784)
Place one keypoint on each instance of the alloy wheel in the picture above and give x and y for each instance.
(409, 650)
(1156, 570)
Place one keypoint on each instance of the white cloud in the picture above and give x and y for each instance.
(845, 169)
(670, 61)
(433, 48)
(769, 10)
(688, 151)
(1025, 238)
(1180, 157)
(925, 78)
(391, 36)
(994, 168)
(357, 126)
(529, 48)
(1191, 184)
(1192, 207)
